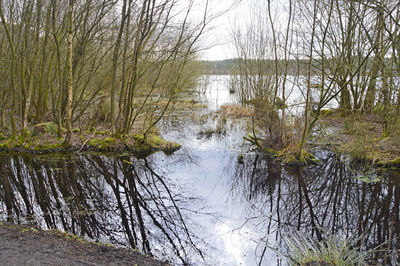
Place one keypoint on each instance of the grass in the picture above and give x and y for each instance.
(362, 138)
(333, 250)
(208, 132)
(235, 111)
(219, 129)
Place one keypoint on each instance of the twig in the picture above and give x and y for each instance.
(83, 144)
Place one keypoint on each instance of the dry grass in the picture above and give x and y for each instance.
(235, 111)
(362, 138)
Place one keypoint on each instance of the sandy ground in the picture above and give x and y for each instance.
(22, 245)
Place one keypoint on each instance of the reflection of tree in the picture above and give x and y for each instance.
(118, 198)
(326, 195)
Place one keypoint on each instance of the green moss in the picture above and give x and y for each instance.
(102, 143)
(29, 230)
(7, 145)
(326, 112)
(47, 127)
(102, 133)
(390, 163)
(48, 146)
(23, 137)
(31, 142)
(28, 145)
(153, 142)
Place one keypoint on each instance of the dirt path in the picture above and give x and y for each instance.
(22, 245)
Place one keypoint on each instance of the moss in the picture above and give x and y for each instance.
(29, 230)
(47, 127)
(24, 137)
(326, 112)
(28, 145)
(48, 146)
(395, 164)
(102, 143)
(29, 142)
(102, 133)
(7, 145)
(152, 142)
(76, 130)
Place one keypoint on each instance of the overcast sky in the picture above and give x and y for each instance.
(228, 15)
(218, 36)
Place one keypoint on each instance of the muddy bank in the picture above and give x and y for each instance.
(24, 245)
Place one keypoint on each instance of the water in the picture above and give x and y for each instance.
(214, 202)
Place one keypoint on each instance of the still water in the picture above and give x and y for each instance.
(202, 205)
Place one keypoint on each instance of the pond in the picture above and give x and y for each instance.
(214, 202)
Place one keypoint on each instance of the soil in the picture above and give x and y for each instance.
(23, 245)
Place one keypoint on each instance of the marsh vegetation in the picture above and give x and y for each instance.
(295, 149)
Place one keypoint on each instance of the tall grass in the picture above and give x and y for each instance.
(302, 250)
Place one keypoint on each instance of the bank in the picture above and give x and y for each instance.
(26, 245)
(43, 139)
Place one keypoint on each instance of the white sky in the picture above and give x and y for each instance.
(218, 36)
(223, 16)
(227, 15)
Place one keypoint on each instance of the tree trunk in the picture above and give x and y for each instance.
(69, 63)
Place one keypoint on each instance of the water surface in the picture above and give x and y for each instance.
(214, 202)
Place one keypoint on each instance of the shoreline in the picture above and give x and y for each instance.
(43, 139)
(27, 245)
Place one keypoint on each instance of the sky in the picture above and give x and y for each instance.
(228, 14)
(217, 38)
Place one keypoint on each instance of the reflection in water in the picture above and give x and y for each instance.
(209, 208)
(120, 199)
(133, 203)
(319, 199)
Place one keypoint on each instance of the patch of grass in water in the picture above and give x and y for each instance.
(333, 250)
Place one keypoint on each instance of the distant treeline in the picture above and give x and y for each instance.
(231, 66)
(295, 66)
